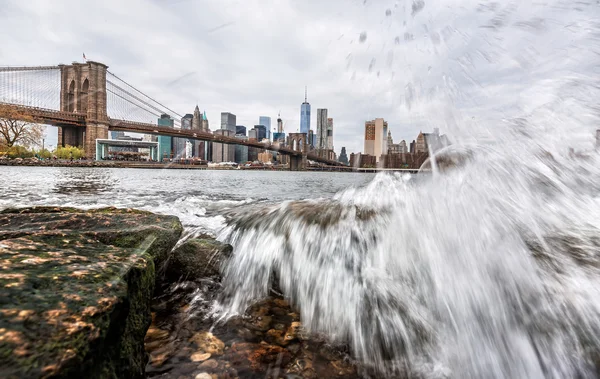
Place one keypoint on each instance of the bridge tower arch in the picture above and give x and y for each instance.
(298, 143)
(83, 91)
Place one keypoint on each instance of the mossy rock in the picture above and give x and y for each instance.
(196, 259)
(76, 287)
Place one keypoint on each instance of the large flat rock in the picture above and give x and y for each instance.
(76, 288)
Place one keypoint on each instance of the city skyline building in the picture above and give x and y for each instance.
(279, 124)
(266, 122)
(261, 132)
(241, 151)
(222, 152)
(240, 130)
(228, 121)
(321, 128)
(165, 149)
(179, 144)
(312, 139)
(343, 157)
(402, 147)
(330, 133)
(116, 134)
(305, 114)
(376, 138)
(199, 148)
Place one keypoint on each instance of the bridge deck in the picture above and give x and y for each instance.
(58, 118)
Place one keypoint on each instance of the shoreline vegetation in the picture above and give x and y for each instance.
(117, 293)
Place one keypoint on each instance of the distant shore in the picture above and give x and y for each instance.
(32, 162)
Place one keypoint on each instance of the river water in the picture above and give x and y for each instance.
(198, 197)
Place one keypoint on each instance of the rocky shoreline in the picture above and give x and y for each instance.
(102, 294)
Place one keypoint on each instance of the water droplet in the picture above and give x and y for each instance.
(363, 37)
(417, 6)
(372, 64)
(397, 40)
(388, 12)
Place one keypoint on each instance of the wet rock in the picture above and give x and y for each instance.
(293, 331)
(208, 343)
(257, 357)
(196, 259)
(203, 375)
(76, 289)
(200, 357)
(211, 364)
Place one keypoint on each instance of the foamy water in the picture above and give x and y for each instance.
(488, 270)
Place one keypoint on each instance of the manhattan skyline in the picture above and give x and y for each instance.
(412, 65)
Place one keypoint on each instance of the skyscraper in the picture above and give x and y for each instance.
(223, 152)
(205, 127)
(305, 114)
(198, 147)
(241, 151)
(228, 121)
(240, 130)
(266, 122)
(180, 143)
(376, 137)
(330, 133)
(343, 156)
(279, 124)
(164, 142)
(321, 129)
(261, 132)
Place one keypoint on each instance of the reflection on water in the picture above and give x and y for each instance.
(84, 182)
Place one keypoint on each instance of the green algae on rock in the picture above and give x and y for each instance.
(197, 258)
(76, 290)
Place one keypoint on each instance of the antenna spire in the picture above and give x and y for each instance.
(305, 93)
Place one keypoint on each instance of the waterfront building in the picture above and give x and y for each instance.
(321, 128)
(241, 151)
(252, 135)
(430, 141)
(305, 114)
(403, 149)
(266, 122)
(362, 161)
(116, 134)
(343, 156)
(265, 157)
(223, 152)
(165, 148)
(312, 139)
(375, 137)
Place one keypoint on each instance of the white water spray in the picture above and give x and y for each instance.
(487, 270)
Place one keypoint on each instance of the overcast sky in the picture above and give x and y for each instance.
(418, 64)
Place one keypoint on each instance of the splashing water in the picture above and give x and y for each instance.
(486, 270)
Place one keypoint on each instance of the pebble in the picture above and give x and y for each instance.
(200, 357)
(210, 364)
(203, 375)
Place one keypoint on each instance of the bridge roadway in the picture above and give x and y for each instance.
(58, 118)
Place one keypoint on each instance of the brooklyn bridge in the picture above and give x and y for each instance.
(86, 101)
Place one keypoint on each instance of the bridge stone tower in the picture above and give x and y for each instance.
(83, 90)
(298, 143)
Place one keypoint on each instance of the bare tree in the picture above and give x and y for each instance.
(17, 128)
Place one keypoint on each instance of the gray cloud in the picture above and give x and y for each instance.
(421, 64)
